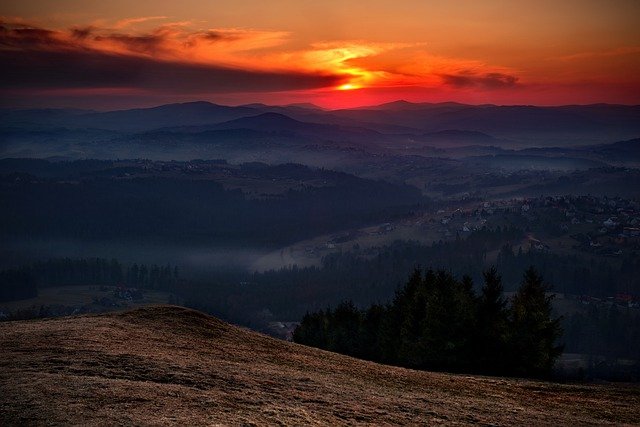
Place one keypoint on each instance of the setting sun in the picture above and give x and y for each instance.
(158, 53)
(348, 86)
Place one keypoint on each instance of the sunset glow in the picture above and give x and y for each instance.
(347, 86)
(485, 52)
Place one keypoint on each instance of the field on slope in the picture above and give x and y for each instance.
(169, 365)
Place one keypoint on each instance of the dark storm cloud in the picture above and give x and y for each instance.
(82, 32)
(27, 38)
(76, 69)
(212, 35)
(148, 43)
(35, 58)
(487, 81)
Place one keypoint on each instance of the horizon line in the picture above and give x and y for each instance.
(311, 104)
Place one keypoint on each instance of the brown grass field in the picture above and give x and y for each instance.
(166, 365)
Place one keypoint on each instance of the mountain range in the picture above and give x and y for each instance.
(619, 121)
(369, 141)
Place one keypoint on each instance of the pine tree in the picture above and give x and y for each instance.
(371, 344)
(397, 331)
(312, 330)
(344, 329)
(492, 315)
(412, 329)
(533, 331)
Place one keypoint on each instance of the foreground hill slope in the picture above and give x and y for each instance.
(170, 365)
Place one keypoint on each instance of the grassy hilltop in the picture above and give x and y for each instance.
(170, 365)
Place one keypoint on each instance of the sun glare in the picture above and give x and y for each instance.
(347, 86)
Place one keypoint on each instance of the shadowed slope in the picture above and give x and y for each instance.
(170, 365)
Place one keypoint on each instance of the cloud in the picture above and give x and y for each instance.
(123, 23)
(177, 59)
(236, 40)
(82, 32)
(76, 69)
(213, 35)
(147, 43)
(90, 57)
(485, 81)
(27, 38)
(412, 65)
(618, 51)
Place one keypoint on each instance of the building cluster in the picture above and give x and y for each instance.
(601, 225)
(620, 300)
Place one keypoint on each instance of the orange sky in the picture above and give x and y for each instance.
(333, 53)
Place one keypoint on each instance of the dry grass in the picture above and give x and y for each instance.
(169, 365)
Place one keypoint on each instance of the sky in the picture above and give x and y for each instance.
(336, 54)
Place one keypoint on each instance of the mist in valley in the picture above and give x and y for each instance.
(261, 214)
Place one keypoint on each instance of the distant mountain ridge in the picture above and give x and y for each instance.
(429, 117)
(399, 128)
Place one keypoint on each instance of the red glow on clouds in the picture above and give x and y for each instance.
(169, 62)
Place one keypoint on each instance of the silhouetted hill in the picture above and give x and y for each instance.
(283, 125)
(402, 105)
(305, 105)
(569, 124)
(457, 137)
(621, 150)
(138, 119)
(37, 117)
(190, 201)
(272, 122)
(192, 113)
(525, 123)
(460, 134)
(170, 365)
(297, 134)
(518, 161)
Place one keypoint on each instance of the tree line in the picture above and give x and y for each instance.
(371, 275)
(24, 282)
(437, 322)
(574, 274)
(185, 208)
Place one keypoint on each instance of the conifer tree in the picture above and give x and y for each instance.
(533, 330)
(492, 323)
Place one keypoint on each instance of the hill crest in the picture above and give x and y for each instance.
(171, 365)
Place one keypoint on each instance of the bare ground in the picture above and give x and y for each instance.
(167, 365)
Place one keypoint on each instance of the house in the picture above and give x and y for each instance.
(282, 330)
(631, 231)
(626, 300)
(541, 247)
